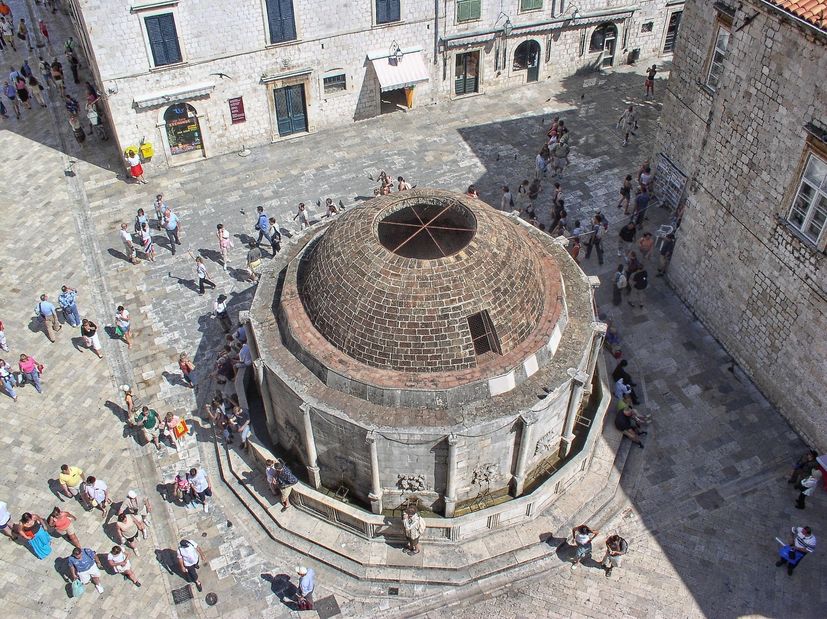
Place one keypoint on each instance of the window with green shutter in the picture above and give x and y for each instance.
(281, 20)
(530, 5)
(163, 39)
(468, 10)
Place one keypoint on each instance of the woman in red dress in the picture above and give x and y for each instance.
(135, 167)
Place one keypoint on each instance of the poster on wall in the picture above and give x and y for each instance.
(237, 114)
(183, 131)
(670, 182)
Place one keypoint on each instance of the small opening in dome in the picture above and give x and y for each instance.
(428, 231)
(483, 334)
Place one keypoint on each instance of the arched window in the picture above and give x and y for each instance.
(526, 55)
(599, 36)
(183, 130)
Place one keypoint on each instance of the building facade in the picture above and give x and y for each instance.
(743, 150)
(204, 78)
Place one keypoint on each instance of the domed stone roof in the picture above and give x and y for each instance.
(428, 281)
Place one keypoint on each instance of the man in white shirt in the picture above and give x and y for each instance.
(200, 484)
(5, 521)
(128, 245)
(802, 543)
(96, 493)
(189, 555)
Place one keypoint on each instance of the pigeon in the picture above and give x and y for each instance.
(370, 176)
(319, 203)
(498, 156)
(341, 205)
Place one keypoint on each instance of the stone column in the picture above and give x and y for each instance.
(578, 379)
(523, 453)
(599, 329)
(310, 448)
(451, 485)
(375, 495)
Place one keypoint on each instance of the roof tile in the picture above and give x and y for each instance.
(811, 11)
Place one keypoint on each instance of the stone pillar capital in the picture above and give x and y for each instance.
(578, 376)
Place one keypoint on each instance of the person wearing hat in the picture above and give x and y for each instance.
(414, 527)
(137, 506)
(189, 555)
(130, 403)
(285, 480)
(307, 583)
(802, 543)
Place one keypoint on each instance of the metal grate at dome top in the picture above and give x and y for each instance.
(428, 231)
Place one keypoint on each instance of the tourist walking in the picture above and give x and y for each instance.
(202, 275)
(224, 244)
(8, 31)
(45, 71)
(189, 556)
(275, 235)
(160, 207)
(3, 345)
(626, 237)
(263, 227)
(30, 371)
(626, 123)
(646, 245)
(582, 537)
(48, 316)
(641, 206)
(618, 285)
(150, 426)
(129, 527)
(96, 494)
(649, 82)
(23, 33)
(70, 480)
(11, 94)
(201, 486)
(119, 562)
(136, 170)
(414, 527)
(560, 155)
(220, 312)
(147, 242)
(640, 282)
(172, 429)
(803, 467)
(77, 128)
(140, 219)
(123, 325)
(128, 245)
(32, 528)
(172, 226)
(84, 566)
(666, 249)
(138, 506)
(253, 261)
(37, 90)
(541, 163)
(625, 194)
(186, 366)
(67, 299)
(22, 91)
(305, 588)
(57, 76)
(807, 487)
(285, 481)
(62, 523)
(802, 543)
(8, 380)
(616, 547)
(595, 238)
(301, 215)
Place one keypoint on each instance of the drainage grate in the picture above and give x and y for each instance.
(393, 590)
(327, 607)
(184, 594)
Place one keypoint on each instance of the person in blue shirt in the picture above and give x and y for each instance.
(84, 566)
(47, 314)
(263, 227)
(68, 301)
(307, 583)
(173, 228)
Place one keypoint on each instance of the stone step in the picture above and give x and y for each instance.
(441, 562)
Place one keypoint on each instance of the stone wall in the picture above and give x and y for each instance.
(231, 38)
(756, 283)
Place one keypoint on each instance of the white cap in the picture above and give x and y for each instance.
(301, 570)
(125, 388)
(132, 494)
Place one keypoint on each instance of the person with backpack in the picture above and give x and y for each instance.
(189, 555)
(595, 239)
(640, 282)
(616, 547)
(619, 284)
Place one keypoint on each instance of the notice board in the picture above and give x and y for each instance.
(237, 114)
(670, 182)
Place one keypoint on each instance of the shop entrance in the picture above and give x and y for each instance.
(527, 57)
(183, 130)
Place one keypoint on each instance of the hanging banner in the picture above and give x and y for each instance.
(237, 110)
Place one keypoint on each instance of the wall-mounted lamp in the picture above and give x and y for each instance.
(508, 27)
(395, 52)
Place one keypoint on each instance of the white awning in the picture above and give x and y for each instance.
(192, 91)
(396, 73)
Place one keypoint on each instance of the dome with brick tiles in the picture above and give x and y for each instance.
(427, 282)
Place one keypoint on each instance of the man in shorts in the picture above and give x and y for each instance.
(285, 481)
(97, 494)
(70, 479)
(253, 261)
(150, 426)
(84, 566)
(201, 486)
(582, 537)
(616, 547)
(137, 506)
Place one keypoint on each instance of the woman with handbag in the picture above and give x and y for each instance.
(31, 370)
(224, 244)
(8, 380)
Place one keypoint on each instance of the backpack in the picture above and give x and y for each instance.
(641, 280)
(621, 281)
